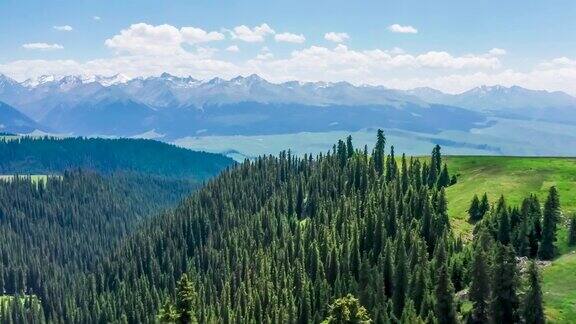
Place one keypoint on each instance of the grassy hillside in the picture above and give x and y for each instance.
(559, 288)
(514, 177)
(517, 177)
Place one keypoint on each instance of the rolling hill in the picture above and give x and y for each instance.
(516, 178)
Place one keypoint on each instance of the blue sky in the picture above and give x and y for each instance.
(450, 45)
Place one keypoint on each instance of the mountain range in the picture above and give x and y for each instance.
(172, 107)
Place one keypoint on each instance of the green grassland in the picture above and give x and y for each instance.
(559, 289)
(516, 178)
(513, 177)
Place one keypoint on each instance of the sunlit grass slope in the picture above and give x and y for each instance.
(514, 177)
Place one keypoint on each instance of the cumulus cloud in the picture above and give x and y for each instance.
(195, 35)
(144, 50)
(497, 52)
(97, 18)
(42, 46)
(290, 38)
(396, 28)
(163, 39)
(336, 37)
(63, 28)
(252, 35)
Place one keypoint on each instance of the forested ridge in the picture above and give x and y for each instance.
(54, 231)
(49, 155)
(348, 235)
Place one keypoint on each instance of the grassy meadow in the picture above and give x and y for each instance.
(516, 178)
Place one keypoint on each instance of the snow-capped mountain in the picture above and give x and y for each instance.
(183, 106)
(497, 98)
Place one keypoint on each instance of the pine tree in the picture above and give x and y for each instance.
(347, 310)
(388, 271)
(484, 206)
(504, 301)
(349, 146)
(474, 210)
(547, 249)
(400, 278)
(444, 291)
(479, 289)
(533, 308)
(572, 231)
(503, 227)
(168, 313)
(444, 178)
(185, 301)
(378, 154)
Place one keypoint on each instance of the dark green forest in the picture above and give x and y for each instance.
(350, 235)
(48, 155)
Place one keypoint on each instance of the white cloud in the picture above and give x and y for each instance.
(252, 35)
(63, 28)
(233, 48)
(142, 38)
(97, 18)
(336, 37)
(42, 46)
(497, 52)
(559, 62)
(144, 50)
(164, 39)
(290, 38)
(195, 35)
(396, 28)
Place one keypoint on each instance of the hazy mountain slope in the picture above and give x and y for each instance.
(13, 121)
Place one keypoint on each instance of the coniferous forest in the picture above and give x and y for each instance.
(353, 235)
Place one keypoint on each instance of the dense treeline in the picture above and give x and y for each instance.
(349, 235)
(47, 155)
(53, 231)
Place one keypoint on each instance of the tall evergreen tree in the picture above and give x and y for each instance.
(547, 249)
(400, 278)
(378, 155)
(484, 205)
(349, 146)
(479, 289)
(186, 301)
(474, 210)
(444, 177)
(533, 308)
(504, 302)
(444, 291)
(347, 310)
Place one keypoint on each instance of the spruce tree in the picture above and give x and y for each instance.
(347, 310)
(168, 313)
(444, 291)
(547, 249)
(533, 308)
(484, 205)
(474, 210)
(444, 178)
(504, 302)
(400, 278)
(349, 146)
(479, 288)
(378, 154)
(185, 301)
